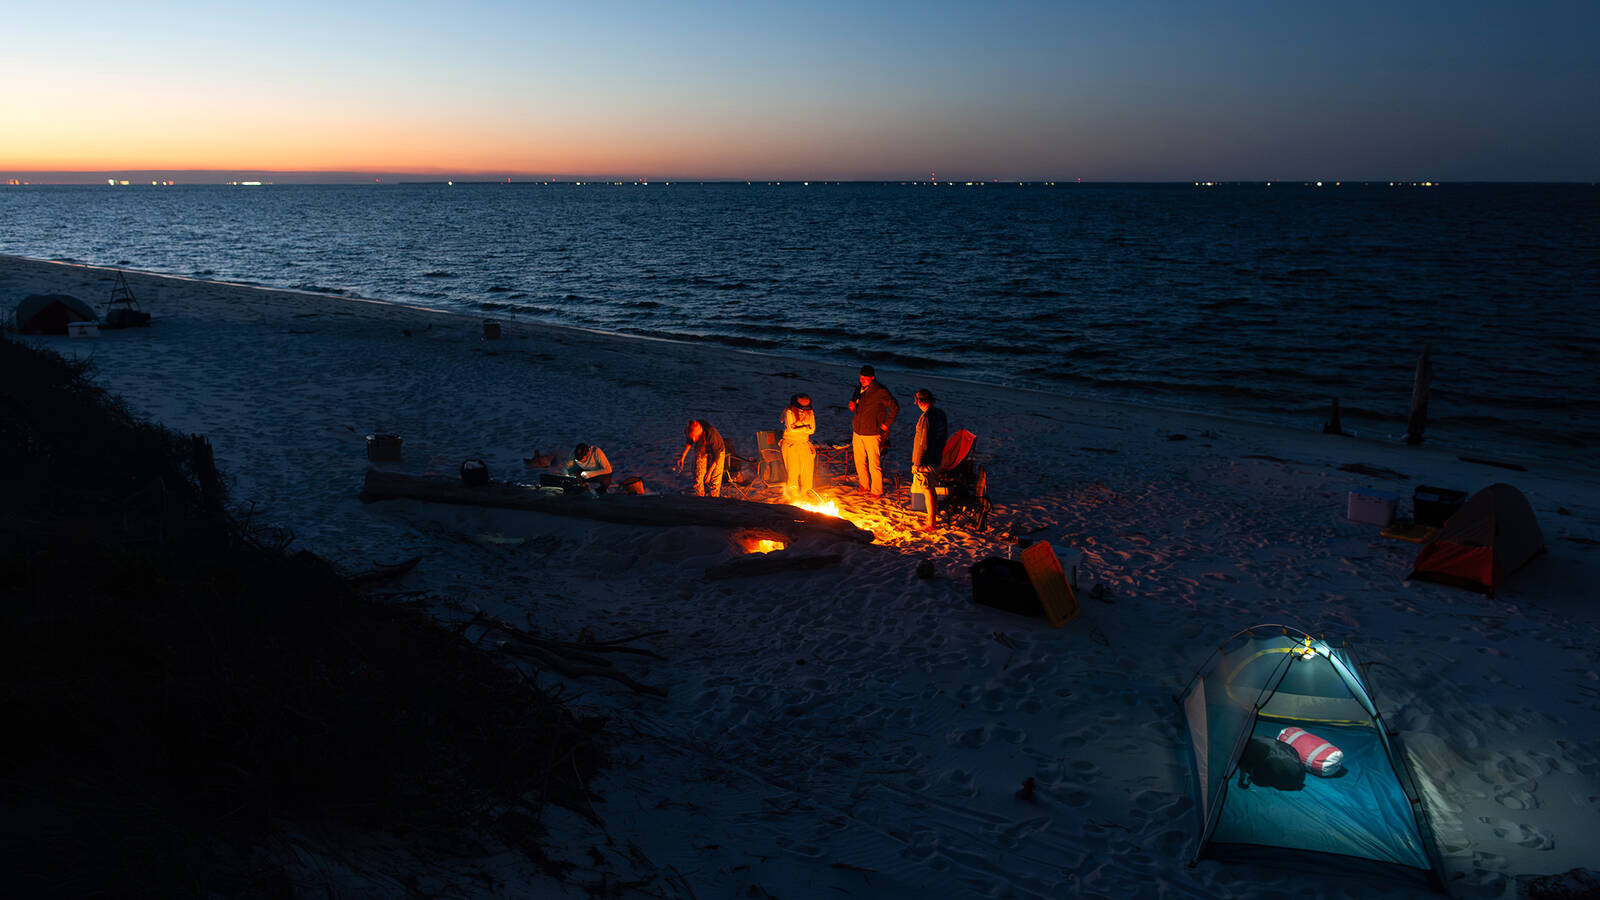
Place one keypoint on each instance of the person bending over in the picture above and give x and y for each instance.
(711, 457)
(590, 465)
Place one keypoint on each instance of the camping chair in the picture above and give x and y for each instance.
(740, 475)
(771, 469)
(961, 486)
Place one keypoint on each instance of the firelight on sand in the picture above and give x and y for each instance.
(884, 527)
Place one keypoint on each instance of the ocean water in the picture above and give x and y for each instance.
(1258, 301)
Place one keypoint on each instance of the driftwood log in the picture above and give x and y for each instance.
(768, 564)
(771, 521)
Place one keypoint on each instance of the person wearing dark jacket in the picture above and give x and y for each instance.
(927, 451)
(874, 409)
(711, 457)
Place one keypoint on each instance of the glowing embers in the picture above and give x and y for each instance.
(754, 542)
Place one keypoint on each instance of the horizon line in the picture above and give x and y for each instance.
(264, 177)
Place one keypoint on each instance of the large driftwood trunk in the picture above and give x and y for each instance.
(772, 521)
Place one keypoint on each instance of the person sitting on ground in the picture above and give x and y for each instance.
(711, 457)
(927, 448)
(590, 465)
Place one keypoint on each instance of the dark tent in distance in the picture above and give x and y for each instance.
(1492, 535)
(50, 313)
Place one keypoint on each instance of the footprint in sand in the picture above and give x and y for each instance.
(1579, 756)
(1517, 799)
(1478, 882)
(974, 738)
(1498, 769)
(1077, 798)
(1082, 737)
(1161, 805)
(1519, 834)
(1171, 844)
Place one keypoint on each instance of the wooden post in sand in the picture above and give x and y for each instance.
(1417, 422)
(1332, 426)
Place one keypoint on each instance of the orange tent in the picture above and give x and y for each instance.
(1492, 535)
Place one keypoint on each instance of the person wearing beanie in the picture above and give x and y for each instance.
(873, 409)
(799, 457)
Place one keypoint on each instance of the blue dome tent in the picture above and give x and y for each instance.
(1368, 814)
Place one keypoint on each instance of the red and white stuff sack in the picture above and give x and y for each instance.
(1318, 756)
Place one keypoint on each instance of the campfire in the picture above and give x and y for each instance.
(885, 527)
(827, 508)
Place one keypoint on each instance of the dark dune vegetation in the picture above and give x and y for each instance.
(182, 692)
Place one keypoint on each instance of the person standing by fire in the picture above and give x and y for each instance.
(927, 451)
(711, 457)
(874, 410)
(799, 457)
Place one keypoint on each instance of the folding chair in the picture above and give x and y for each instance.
(960, 485)
(739, 475)
(771, 469)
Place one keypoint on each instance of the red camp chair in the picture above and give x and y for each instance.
(961, 485)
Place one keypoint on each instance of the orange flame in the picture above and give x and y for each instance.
(826, 507)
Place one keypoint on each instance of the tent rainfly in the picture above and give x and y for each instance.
(1367, 814)
(1492, 535)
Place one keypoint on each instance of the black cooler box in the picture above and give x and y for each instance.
(1003, 584)
(1435, 505)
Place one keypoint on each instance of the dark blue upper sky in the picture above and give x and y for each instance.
(1138, 90)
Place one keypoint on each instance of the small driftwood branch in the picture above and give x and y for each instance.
(572, 659)
(384, 571)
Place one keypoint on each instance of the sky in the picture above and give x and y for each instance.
(1138, 90)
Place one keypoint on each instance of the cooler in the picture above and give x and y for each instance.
(1371, 507)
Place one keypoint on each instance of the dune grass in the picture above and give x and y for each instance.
(180, 689)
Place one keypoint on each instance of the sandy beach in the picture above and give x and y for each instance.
(856, 729)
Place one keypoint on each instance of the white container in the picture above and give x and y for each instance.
(83, 329)
(1371, 507)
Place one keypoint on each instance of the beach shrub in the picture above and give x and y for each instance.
(179, 691)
